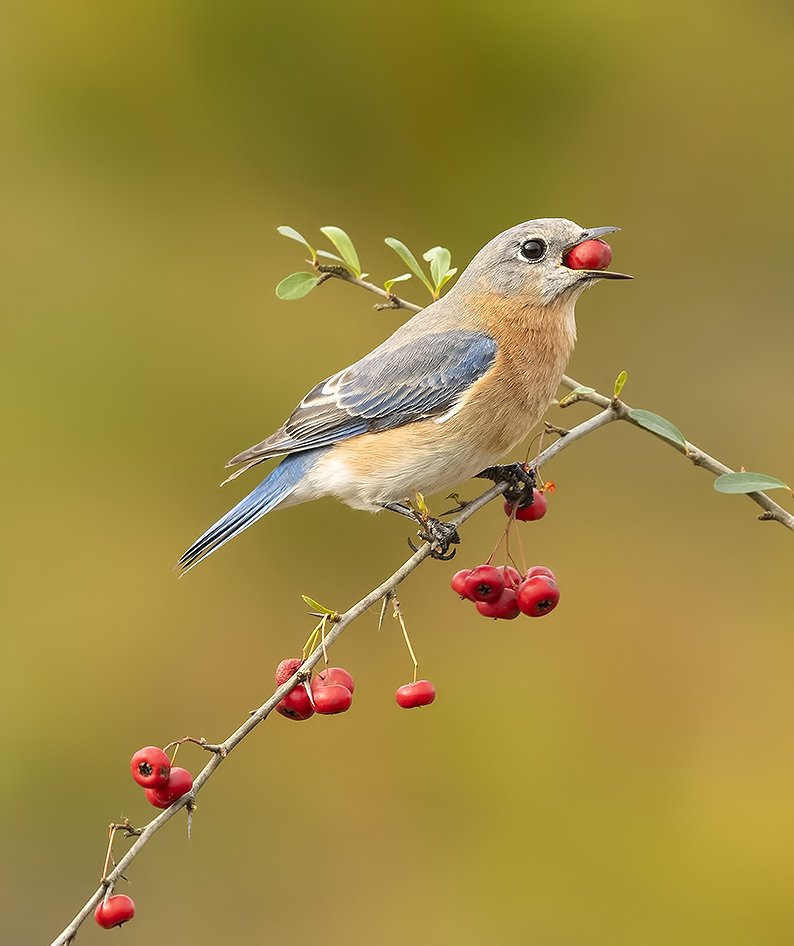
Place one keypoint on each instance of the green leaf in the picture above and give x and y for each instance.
(410, 261)
(390, 282)
(344, 244)
(296, 286)
(316, 606)
(658, 425)
(439, 258)
(447, 276)
(746, 483)
(621, 379)
(293, 234)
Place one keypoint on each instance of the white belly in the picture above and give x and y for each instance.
(395, 480)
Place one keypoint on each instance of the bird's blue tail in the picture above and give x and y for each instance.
(273, 489)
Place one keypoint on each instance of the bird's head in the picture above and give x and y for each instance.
(542, 261)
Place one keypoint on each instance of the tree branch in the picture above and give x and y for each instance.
(344, 619)
(611, 409)
(772, 511)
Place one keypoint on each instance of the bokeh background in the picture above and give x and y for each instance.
(620, 773)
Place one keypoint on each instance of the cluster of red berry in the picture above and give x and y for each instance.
(163, 783)
(331, 692)
(502, 592)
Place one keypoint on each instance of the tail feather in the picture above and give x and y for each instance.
(274, 489)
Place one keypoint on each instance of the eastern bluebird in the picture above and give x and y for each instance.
(448, 394)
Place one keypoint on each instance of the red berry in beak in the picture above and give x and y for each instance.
(114, 911)
(592, 254)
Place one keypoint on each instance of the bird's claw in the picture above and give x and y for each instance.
(440, 535)
(520, 479)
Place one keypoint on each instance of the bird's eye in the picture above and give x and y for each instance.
(533, 250)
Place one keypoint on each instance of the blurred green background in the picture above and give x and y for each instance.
(619, 773)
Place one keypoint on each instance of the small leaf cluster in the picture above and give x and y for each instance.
(438, 273)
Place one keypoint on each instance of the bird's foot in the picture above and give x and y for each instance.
(520, 479)
(441, 535)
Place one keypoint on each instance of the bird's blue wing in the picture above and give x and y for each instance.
(395, 384)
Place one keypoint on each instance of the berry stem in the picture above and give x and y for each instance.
(398, 614)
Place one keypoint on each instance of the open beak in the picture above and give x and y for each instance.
(595, 233)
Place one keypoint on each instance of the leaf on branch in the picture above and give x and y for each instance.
(747, 483)
(316, 606)
(296, 286)
(411, 262)
(390, 282)
(621, 379)
(574, 396)
(439, 258)
(658, 425)
(344, 244)
(293, 234)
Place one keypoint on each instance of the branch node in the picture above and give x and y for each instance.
(554, 429)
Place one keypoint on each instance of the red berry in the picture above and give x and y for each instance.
(512, 576)
(150, 767)
(592, 254)
(504, 607)
(485, 583)
(180, 781)
(459, 581)
(332, 675)
(538, 595)
(535, 510)
(296, 704)
(541, 570)
(331, 699)
(114, 911)
(286, 669)
(421, 693)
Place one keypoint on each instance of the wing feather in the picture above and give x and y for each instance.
(395, 384)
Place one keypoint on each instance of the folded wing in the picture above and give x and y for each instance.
(403, 380)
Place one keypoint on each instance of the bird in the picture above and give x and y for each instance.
(451, 392)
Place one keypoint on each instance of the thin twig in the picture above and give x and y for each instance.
(699, 457)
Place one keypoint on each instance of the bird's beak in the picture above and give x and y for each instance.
(595, 233)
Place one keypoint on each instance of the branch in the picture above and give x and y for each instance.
(612, 409)
(772, 511)
(342, 622)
